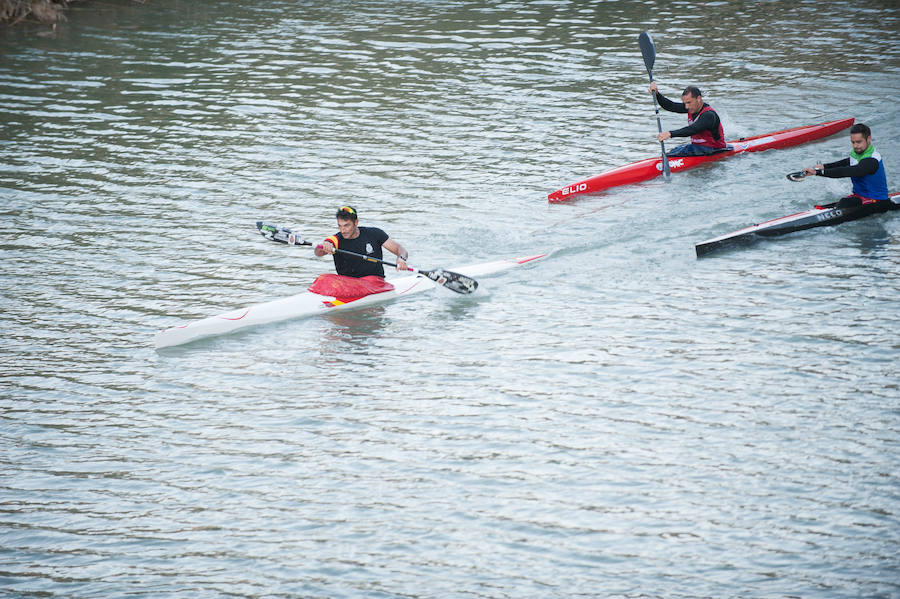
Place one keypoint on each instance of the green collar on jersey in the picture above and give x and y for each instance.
(867, 154)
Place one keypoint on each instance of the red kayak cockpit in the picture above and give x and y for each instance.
(348, 289)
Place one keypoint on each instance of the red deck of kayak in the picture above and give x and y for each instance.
(652, 167)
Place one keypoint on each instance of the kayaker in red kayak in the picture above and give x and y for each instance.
(361, 240)
(704, 126)
(864, 166)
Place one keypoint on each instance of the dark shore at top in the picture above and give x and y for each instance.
(15, 12)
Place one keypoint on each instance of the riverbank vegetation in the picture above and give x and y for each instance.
(13, 12)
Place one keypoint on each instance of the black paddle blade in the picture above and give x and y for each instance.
(648, 50)
(452, 280)
(280, 234)
(796, 176)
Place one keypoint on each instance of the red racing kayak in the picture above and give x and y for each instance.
(650, 168)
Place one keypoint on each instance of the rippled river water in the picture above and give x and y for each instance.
(619, 419)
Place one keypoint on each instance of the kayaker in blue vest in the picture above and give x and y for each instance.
(361, 240)
(864, 166)
(704, 126)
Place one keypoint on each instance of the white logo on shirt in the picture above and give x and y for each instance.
(369, 248)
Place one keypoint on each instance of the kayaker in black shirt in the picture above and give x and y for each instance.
(704, 126)
(360, 240)
(864, 166)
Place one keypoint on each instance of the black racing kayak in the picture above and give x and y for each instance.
(820, 216)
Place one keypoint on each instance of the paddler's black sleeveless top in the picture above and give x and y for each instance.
(369, 243)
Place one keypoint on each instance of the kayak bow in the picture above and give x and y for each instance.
(649, 168)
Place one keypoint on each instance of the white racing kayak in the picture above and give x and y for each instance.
(309, 303)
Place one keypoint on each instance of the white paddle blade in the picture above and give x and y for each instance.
(452, 280)
(280, 234)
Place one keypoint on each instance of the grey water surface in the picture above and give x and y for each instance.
(618, 419)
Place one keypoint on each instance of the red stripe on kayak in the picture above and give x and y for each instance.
(528, 258)
(246, 312)
(788, 216)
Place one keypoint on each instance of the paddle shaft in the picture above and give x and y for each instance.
(453, 281)
(369, 258)
(667, 173)
(291, 240)
(449, 279)
(648, 51)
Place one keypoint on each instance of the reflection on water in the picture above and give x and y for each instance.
(356, 328)
(873, 238)
(617, 419)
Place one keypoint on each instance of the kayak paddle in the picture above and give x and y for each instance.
(797, 176)
(648, 51)
(280, 234)
(453, 281)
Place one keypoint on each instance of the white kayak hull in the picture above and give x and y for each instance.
(309, 304)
